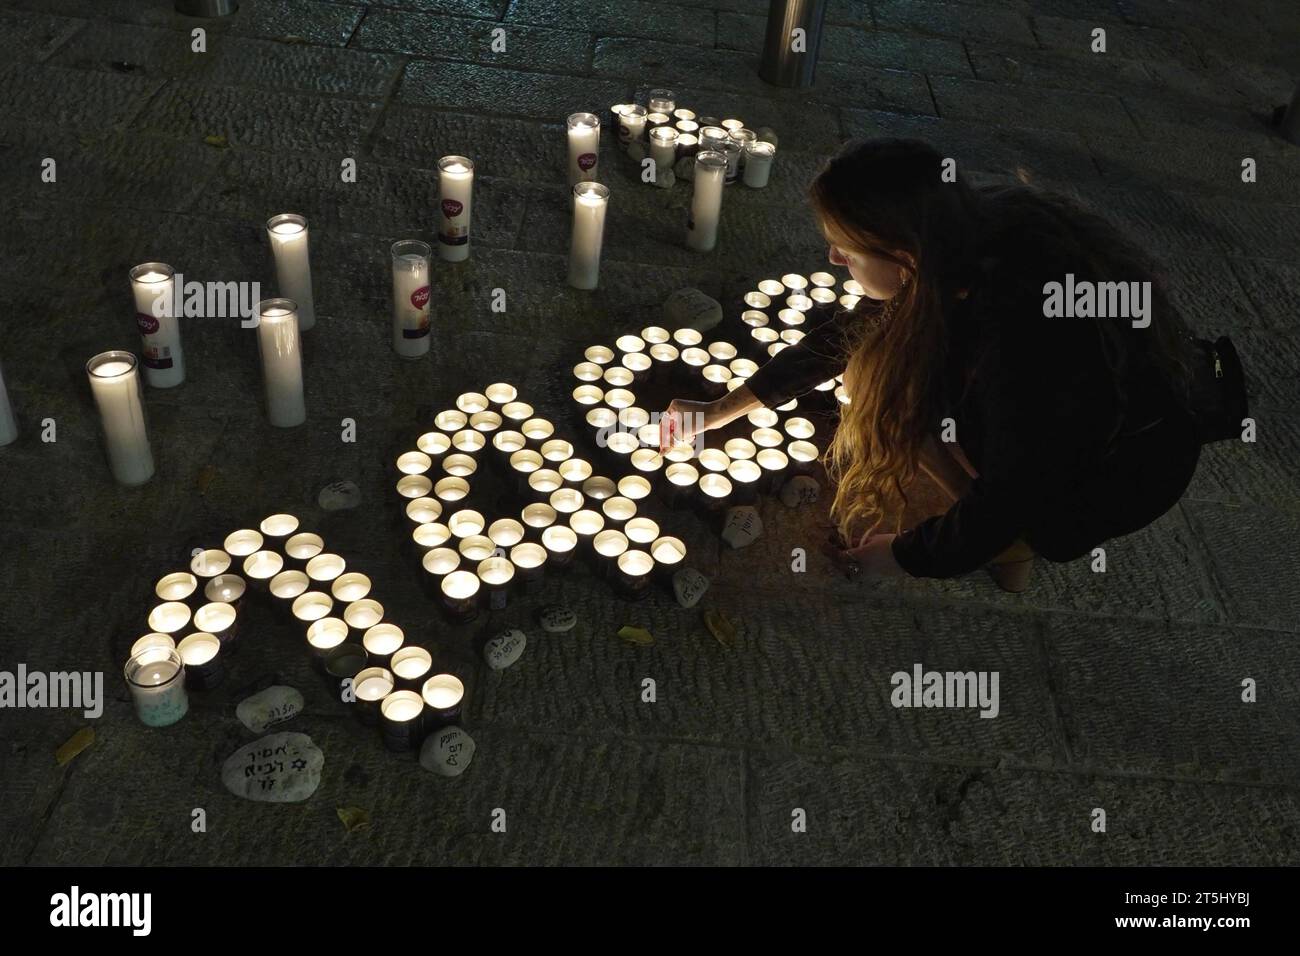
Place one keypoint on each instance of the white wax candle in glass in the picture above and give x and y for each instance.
(456, 191)
(289, 246)
(590, 201)
(631, 124)
(584, 147)
(663, 148)
(411, 297)
(153, 285)
(157, 686)
(115, 384)
(661, 101)
(706, 200)
(279, 344)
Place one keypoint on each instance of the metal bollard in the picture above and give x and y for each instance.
(206, 8)
(790, 58)
(1289, 124)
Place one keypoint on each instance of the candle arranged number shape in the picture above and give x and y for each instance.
(468, 562)
(393, 683)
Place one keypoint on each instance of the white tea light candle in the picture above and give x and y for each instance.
(456, 190)
(153, 286)
(289, 247)
(115, 384)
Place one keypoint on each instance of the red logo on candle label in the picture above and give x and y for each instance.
(452, 208)
(587, 161)
(147, 323)
(420, 297)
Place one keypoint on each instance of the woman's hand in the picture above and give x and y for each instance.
(874, 556)
(684, 420)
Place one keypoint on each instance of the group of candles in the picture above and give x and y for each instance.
(711, 478)
(467, 562)
(393, 683)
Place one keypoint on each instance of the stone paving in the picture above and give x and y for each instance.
(1119, 691)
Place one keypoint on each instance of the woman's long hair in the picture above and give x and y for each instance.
(890, 198)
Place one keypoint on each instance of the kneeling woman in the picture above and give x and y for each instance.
(1068, 431)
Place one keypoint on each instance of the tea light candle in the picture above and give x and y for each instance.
(153, 286)
(176, 586)
(289, 247)
(739, 448)
(609, 544)
(157, 687)
(767, 438)
(411, 665)
(169, 617)
(539, 515)
(716, 377)
(647, 459)
(537, 430)
(477, 547)
(460, 594)
(668, 553)
(209, 563)
(201, 655)
(715, 488)
(763, 418)
(363, 614)
(620, 444)
(312, 606)
(380, 641)
(618, 509)
(495, 575)
(400, 714)
(280, 347)
(370, 686)
(587, 372)
(566, 500)
(641, 530)
(288, 585)
(744, 474)
(424, 510)
(411, 260)
(505, 532)
(584, 147)
(619, 398)
(560, 542)
(681, 479)
(460, 465)
(217, 618)
(433, 444)
(437, 564)
(765, 336)
(278, 527)
(655, 119)
(456, 188)
(529, 560)
(115, 384)
(759, 156)
(350, 587)
(325, 567)
(600, 354)
(695, 357)
(687, 337)
(586, 524)
(466, 523)
(634, 569)
(823, 299)
(794, 282)
(590, 200)
(524, 463)
(664, 353)
(714, 459)
(803, 456)
(631, 124)
(706, 200)
(774, 463)
(341, 665)
(544, 481)
(431, 535)
(226, 589)
(661, 101)
(663, 148)
(160, 644)
(261, 566)
(799, 428)
(601, 419)
(451, 419)
(639, 364)
(508, 442)
(682, 113)
(487, 421)
(688, 144)
(303, 546)
(634, 487)
(450, 490)
(443, 694)
(712, 138)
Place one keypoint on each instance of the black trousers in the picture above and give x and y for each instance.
(1142, 477)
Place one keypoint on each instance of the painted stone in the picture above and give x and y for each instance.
(447, 752)
(279, 768)
(269, 707)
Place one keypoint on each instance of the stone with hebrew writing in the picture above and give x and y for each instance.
(800, 490)
(557, 618)
(447, 752)
(505, 648)
(278, 768)
(691, 308)
(269, 707)
(339, 496)
(689, 586)
(742, 526)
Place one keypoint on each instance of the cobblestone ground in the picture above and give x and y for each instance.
(1119, 691)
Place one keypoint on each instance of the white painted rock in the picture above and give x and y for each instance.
(556, 618)
(447, 752)
(800, 490)
(691, 308)
(742, 527)
(269, 707)
(664, 178)
(689, 585)
(766, 134)
(684, 169)
(504, 649)
(339, 496)
(636, 151)
(280, 768)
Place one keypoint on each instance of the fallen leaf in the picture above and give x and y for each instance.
(354, 818)
(720, 627)
(206, 477)
(74, 745)
(218, 141)
(635, 635)
(293, 38)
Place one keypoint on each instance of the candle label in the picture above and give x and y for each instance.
(415, 321)
(147, 323)
(451, 208)
(420, 297)
(587, 162)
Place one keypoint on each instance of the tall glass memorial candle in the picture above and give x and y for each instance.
(706, 201)
(281, 349)
(153, 285)
(663, 148)
(758, 163)
(584, 147)
(455, 193)
(411, 297)
(115, 383)
(589, 203)
(288, 234)
(8, 427)
(631, 124)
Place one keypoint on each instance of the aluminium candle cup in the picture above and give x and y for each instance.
(505, 443)
(522, 465)
(411, 665)
(776, 465)
(115, 384)
(586, 523)
(444, 696)
(668, 553)
(362, 615)
(290, 242)
(277, 528)
(485, 421)
(177, 586)
(714, 491)
(466, 523)
(218, 619)
(381, 642)
(575, 472)
(435, 566)
(505, 532)
(411, 261)
(279, 344)
(450, 490)
(158, 642)
(226, 589)
(401, 720)
(312, 606)
(435, 444)
(209, 563)
(641, 531)
(618, 510)
(259, 567)
(157, 685)
(169, 617)
(460, 592)
(350, 587)
(678, 486)
(560, 542)
(341, 665)
(745, 475)
(242, 543)
(538, 431)
(204, 666)
(495, 576)
(608, 545)
(803, 457)
(286, 587)
(544, 481)
(455, 205)
(325, 567)
(300, 548)
(639, 364)
(529, 559)
(324, 637)
(370, 686)
(618, 447)
(634, 570)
